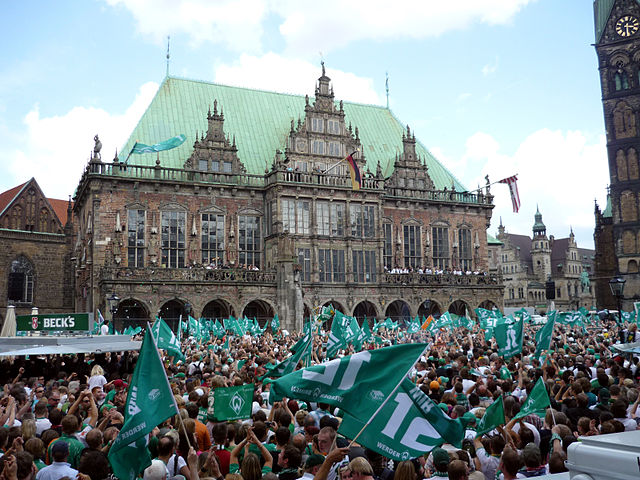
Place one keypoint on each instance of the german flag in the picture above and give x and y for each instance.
(356, 177)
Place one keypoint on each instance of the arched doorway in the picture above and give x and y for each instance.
(488, 305)
(365, 309)
(218, 309)
(398, 311)
(260, 310)
(130, 312)
(429, 307)
(459, 307)
(171, 312)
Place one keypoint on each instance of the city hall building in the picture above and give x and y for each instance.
(256, 214)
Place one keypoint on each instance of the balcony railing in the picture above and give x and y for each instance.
(198, 275)
(426, 279)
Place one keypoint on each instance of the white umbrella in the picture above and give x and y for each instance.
(9, 326)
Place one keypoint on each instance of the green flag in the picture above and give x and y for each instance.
(165, 339)
(356, 383)
(149, 403)
(509, 338)
(537, 400)
(290, 363)
(408, 425)
(173, 142)
(336, 340)
(233, 403)
(493, 417)
(366, 331)
(275, 323)
(544, 335)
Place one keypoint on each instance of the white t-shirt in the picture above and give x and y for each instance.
(104, 329)
(171, 471)
(42, 424)
(97, 381)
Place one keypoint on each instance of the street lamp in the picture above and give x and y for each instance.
(113, 301)
(617, 289)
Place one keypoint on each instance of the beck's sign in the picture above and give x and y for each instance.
(57, 322)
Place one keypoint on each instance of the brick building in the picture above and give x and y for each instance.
(36, 235)
(526, 263)
(617, 231)
(255, 214)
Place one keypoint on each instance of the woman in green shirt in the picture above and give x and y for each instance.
(251, 463)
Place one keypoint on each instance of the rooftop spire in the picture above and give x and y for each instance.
(168, 56)
(386, 84)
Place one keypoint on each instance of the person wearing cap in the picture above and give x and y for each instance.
(70, 427)
(312, 465)
(440, 459)
(59, 468)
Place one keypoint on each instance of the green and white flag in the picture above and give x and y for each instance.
(523, 315)
(571, 318)
(233, 403)
(356, 383)
(275, 323)
(537, 400)
(366, 331)
(149, 403)
(544, 335)
(408, 425)
(414, 326)
(290, 363)
(336, 340)
(165, 339)
(493, 417)
(509, 338)
(351, 329)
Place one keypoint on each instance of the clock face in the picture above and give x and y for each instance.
(627, 26)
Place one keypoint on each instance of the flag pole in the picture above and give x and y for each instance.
(175, 404)
(487, 185)
(428, 347)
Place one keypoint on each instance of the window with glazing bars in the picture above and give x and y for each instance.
(249, 240)
(440, 247)
(173, 239)
(412, 254)
(135, 238)
(212, 238)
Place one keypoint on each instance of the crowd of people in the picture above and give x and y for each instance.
(61, 414)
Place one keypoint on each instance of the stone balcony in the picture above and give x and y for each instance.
(187, 275)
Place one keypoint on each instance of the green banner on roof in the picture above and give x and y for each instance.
(173, 142)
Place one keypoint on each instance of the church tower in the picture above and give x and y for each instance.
(540, 250)
(617, 28)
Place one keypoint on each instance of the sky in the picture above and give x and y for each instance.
(490, 87)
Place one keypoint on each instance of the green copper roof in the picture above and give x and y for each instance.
(493, 240)
(601, 13)
(260, 121)
(608, 209)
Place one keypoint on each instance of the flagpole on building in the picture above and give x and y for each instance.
(175, 404)
(487, 185)
(426, 349)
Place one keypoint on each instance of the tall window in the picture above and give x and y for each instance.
(388, 246)
(333, 126)
(212, 238)
(304, 260)
(318, 147)
(249, 240)
(295, 216)
(464, 247)
(440, 247)
(364, 266)
(20, 284)
(621, 81)
(135, 238)
(331, 265)
(362, 220)
(335, 149)
(317, 124)
(322, 218)
(337, 219)
(173, 239)
(412, 256)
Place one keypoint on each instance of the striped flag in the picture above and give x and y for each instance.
(513, 189)
(356, 177)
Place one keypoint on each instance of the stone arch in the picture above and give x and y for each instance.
(632, 266)
(628, 242)
(131, 312)
(262, 310)
(429, 307)
(398, 311)
(218, 309)
(365, 309)
(628, 206)
(621, 166)
(170, 312)
(459, 307)
(487, 305)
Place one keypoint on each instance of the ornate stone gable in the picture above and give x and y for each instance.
(322, 138)
(409, 171)
(214, 151)
(31, 211)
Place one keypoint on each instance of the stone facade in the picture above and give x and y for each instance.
(212, 240)
(35, 249)
(526, 263)
(617, 232)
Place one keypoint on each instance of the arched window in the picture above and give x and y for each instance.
(632, 160)
(628, 207)
(632, 266)
(621, 80)
(20, 285)
(621, 164)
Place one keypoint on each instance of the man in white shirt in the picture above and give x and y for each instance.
(104, 329)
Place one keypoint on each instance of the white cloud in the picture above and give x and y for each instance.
(56, 149)
(463, 97)
(277, 73)
(308, 26)
(561, 171)
(234, 23)
(490, 68)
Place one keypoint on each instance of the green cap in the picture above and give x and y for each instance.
(179, 375)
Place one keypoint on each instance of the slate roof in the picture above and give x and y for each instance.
(261, 121)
